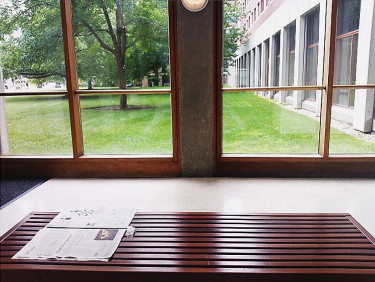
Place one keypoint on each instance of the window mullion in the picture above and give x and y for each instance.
(328, 77)
(71, 78)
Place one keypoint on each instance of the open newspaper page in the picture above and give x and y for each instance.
(93, 218)
(72, 244)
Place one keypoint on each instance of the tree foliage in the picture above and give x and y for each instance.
(233, 35)
(117, 41)
(106, 33)
(25, 50)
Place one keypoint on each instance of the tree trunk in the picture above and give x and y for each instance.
(122, 84)
(89, 84)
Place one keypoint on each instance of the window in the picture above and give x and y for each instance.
(291, 54)
(276, 75)
(267, 62)
(312, 47)
(346, 50)
(354, 109)
(114, 96)
(32, 62)
(259, 121)
(259, 66)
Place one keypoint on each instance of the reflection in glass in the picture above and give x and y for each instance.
(38, 125)
(145, 128)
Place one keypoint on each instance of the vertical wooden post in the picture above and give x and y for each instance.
(174, 78)
(71, 77)
(328, 76)
(218, 84)
(4, 138)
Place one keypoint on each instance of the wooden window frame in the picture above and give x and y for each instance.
(81, 165)
(320, 165)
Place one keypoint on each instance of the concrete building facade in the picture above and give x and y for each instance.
(284, 46)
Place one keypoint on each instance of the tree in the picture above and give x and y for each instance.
(116, 40)
(115, 26)
(25, 50)
(118, 26)
(233, 35)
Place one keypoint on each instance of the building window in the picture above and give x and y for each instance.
(267, 62)
(291, 54)
(276, 77)
(312, 47)
(260, 65)
(346, 50)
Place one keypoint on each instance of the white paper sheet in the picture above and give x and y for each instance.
(93, 218)
(72, 244)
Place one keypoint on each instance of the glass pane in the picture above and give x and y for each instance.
(292, 37)
(341, 97)
(312, 27)
(348, 16)
(348, 45)
(265, 52)
(122, 44)
(37, 125)
(284, 45)
(145, 128)
(291, 69)
(31, 46)
(311, 71)
(352, 129)
(343, 61)
(291, 73)
(255, 125)
(277, 51)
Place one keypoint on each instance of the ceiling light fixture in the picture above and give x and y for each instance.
(194, 5)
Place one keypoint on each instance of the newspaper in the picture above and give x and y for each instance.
(72, 244)
(93, 218)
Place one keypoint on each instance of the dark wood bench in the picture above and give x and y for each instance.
(212, 247)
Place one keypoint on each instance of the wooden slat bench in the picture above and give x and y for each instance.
(212, 247)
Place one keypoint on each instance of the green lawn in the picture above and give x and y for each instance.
(40, 125)
(253, 125)
(144, 131)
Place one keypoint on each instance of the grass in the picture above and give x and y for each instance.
(253, 125)
(40, 125)
(146, 131)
